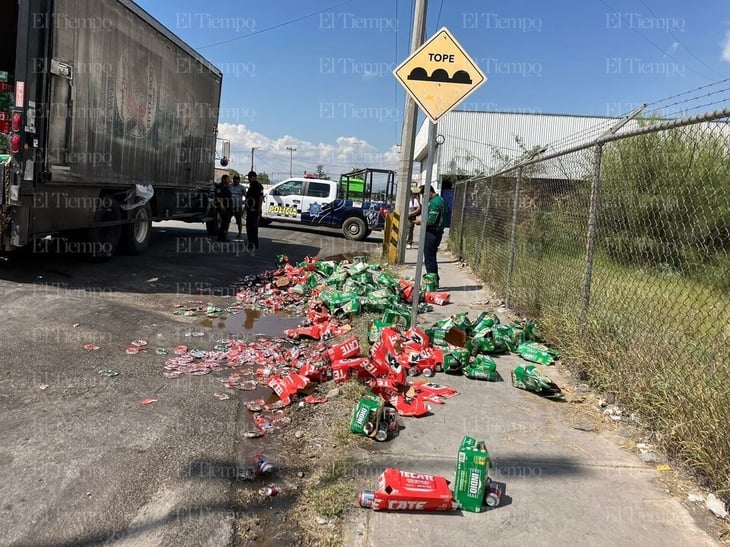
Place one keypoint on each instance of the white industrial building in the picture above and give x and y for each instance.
(475, 142)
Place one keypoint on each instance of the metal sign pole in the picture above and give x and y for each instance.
(424, 220)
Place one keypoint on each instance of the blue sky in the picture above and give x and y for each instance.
(316, 75)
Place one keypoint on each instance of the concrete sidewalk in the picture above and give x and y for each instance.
(563, 486)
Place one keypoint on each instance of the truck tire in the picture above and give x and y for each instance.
(212, 226)
(136, 236)
(104, 240)
(354, 229)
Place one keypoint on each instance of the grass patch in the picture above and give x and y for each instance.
(659, 340)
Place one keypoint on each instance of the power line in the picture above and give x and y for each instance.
(438, 19)
(657, 47)
(274, 27)
(678, 41)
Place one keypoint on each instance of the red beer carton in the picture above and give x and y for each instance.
(438, 298)
(417, 336)
(287, 386)
(343, 350)
(407, 491)
(344, 369)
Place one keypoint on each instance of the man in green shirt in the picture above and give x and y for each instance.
(435, 223)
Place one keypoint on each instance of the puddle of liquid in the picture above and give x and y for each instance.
(251, 321)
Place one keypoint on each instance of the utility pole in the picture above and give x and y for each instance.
(252, 149)
(291, 154)
(408, 136)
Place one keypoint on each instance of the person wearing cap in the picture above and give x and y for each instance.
(414, 209)
(435, 224)
(254, 208)
(237, 192)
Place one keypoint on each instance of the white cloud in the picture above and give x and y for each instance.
(271, 155)
(673, 48)
(726, 47)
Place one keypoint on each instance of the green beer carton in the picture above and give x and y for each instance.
(437, 336)
(455, 359)
(366, 414)
(486, 320)
(537, 353)
(482, 367)
(530, 379)
(480, 345)
(472, 466)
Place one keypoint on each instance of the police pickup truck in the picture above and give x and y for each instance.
(356, 204)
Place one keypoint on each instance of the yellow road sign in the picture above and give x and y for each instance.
(439, 75)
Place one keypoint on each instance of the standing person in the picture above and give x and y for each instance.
(223, 204)
(237, 192)
(254, 207)
(414, 209)
(435, 224)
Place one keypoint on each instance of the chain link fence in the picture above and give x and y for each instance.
(620, 248)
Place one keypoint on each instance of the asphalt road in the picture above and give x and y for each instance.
(82, 461)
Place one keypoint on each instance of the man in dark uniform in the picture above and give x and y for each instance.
(223, 200)
(254, 208)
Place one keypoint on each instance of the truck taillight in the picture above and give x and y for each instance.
(16, 122)
(14, 143)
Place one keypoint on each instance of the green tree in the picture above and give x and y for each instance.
(233, 172)
(264, 178)
(320, 173)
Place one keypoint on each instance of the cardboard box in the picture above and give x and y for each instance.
(366, 414)
(472, 467)
(407, 491)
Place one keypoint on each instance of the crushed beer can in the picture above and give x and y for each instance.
(493, 495)
(263, 464)
(268, 491)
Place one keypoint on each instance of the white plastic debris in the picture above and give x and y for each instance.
(716, 506)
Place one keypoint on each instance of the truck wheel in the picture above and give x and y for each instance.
(104, 240)
(354, 228)
(212, 226)
(136, 236)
